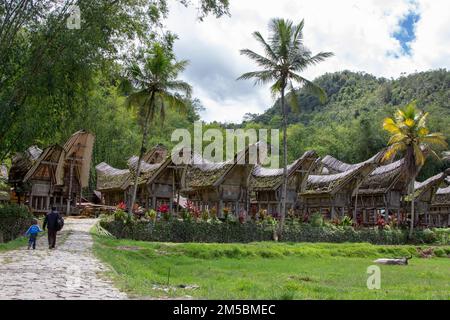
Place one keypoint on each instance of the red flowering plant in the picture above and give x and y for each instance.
(381, 223)
(193, 210)
(122, 206)
(164, 211)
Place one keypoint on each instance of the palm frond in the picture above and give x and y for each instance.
(260, 77)
(310, 86)
(390, 125)
(297, 36)
(392, 150)
(267, 49)
(437, 139)
(418, 155)
(259, 59)
(179, 85)
(399, 137)
(137, 99)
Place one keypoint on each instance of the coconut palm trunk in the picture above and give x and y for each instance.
(285, 162)
(411, 225)
(141, 153)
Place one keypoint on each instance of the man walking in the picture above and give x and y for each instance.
(51, 221)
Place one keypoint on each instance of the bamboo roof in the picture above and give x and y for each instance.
(22, 162)
(332, 183)
(147, 171)
(150, 163)
(49, 165)
(380, 180)
(202, 173)
(109, 178)
(422, 187)
(384, 178)
(442, 197)
(271, 179)
(333, 165)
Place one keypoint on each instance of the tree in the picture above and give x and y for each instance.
(410, 136)
(154, 77)
(285, 56)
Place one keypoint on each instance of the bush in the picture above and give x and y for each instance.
(14, 221)
(232, 231)
(316, 220)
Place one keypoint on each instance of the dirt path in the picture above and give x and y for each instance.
(68, 272)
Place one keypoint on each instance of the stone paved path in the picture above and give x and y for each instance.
(68, 272)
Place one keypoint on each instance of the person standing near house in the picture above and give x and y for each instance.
(53, 221)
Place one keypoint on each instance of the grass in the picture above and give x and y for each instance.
(14, 244)
(270, 270)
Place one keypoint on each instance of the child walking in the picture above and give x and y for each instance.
(33, 232)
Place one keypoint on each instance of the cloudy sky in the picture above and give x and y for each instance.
(382, 37)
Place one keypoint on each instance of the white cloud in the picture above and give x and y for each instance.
(360, 33)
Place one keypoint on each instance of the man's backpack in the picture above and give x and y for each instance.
(59, 223)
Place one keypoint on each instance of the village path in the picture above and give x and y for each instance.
(68, 272)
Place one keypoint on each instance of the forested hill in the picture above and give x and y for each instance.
(349, 124)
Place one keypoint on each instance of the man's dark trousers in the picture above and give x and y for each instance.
(51, 238)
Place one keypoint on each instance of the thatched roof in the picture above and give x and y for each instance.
(380, 180)
(49, 165)
(434, 181)
(156, 155)
(332, 183)
(109, 178)
(383, 178)
(442, 197)
(147, 171)
(202, 173)
(271, 179)
(333, 165)
(22, 162)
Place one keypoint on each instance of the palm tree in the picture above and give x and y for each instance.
(285, 56)
(410, 136)
(154, 79)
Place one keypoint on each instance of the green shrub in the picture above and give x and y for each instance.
(120, 215)
(316, 220)
(14, 221)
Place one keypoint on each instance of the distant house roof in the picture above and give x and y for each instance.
(271, 179)
(22, 162)
(332, 183)
(442, 197)
(109, 178)
(334, 165)
(434, 181)
(50, 164)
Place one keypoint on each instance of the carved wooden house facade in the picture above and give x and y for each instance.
(380, 193)
(332, 194)
(56, 177)
(439, 214)
(425, 194)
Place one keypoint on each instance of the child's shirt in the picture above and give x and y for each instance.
(33, 230)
